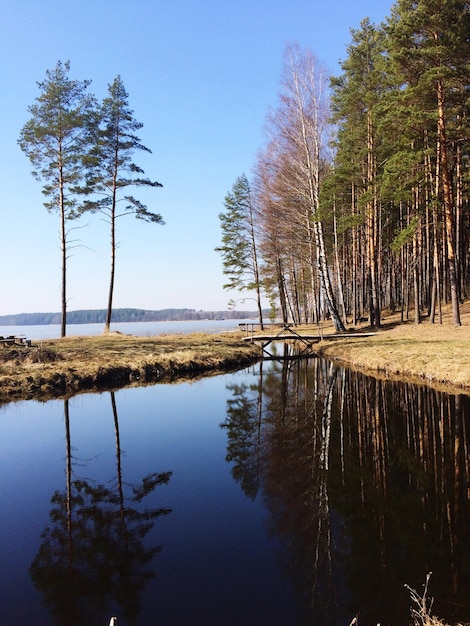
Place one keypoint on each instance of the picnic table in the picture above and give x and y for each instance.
(15, 340)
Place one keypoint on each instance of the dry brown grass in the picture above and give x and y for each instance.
(421, 607)
(435, 354)
(62, 366)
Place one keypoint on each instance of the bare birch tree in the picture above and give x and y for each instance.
(300, 125)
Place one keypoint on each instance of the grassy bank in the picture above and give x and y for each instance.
(434, 354)
(54, 368)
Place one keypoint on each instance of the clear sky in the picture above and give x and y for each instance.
(201, 76)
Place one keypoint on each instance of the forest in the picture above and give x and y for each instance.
(358, 200)
(98, 316)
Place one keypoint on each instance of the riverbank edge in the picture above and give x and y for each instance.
(381, 372)
(442, 364)
(56, 374)
(64, 367)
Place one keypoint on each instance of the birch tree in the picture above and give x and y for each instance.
(301, 124)
(274, 236)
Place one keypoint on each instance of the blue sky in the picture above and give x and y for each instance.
(201, 76)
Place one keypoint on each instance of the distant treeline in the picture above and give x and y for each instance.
(98, 316)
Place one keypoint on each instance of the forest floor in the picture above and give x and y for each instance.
(433, 354)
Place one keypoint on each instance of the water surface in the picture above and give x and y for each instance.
(142, 329)
(283, 494)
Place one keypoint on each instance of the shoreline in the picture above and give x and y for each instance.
(435, 355)
(59, 368)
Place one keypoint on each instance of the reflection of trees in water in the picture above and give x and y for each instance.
(367, 481)
(413, 477)
(92, 555)
(295, 485)
(243, 425)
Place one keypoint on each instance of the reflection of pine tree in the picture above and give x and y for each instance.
(93, 554)
(243, 425)
(403, 467)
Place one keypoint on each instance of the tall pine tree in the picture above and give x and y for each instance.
(55, 140)
(111, 171)
(429, 41)
(357, 94)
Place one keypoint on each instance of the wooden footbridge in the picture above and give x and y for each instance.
(287, 333)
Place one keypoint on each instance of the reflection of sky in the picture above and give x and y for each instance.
(214, 540)
(32, 453)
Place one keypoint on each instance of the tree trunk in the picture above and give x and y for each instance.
(354, 269)
(109, 312)
(338, 268)
(447, 194)
(282, 290)
(416, 281)
(63, 245)
(254, 248)
(374, 303)
(257, 282)
(325, 280)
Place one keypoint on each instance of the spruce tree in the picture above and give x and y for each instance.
(239, 247)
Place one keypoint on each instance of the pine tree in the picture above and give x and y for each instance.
(55, 140)
(429, 41)
(239, 248)
(111, 170)
(357, 95)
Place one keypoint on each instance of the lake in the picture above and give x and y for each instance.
(141, 329)
(288, 493)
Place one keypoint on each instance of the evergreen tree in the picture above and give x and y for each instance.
(55, 140)
(429, 41)
(111, 170)
(357, 95)
(239, 247)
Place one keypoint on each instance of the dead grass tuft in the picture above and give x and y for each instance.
(421, 609)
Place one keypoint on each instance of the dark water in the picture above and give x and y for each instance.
(285, 494)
